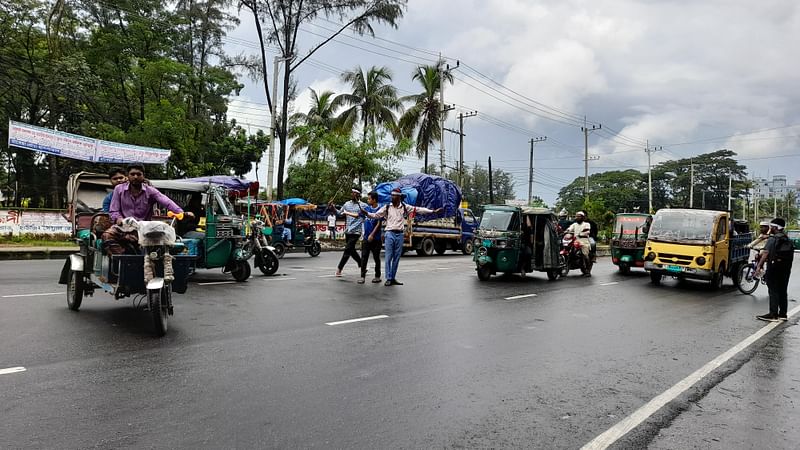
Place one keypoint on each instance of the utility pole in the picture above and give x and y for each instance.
(650, 151)
(775, 205)
(691, 183)
(530, 175)
(586, 158)
(443, 108)
(461, 134)
(491, 187)
(272, 123)
(730, 190)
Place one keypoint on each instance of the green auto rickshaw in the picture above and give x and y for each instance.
(511, 239)
(628, 240)
(218, 236)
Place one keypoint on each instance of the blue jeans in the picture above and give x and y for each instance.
(394, 248)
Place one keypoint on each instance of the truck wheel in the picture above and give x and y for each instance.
(440, 247)
(467, 247)
(718, 279)
(426, 247)
(655, 278)
(74, 290)
(484, 272)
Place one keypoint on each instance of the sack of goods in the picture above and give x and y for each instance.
(427, 191)
(156, 233)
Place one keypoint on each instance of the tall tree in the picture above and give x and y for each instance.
(424, 115)
(278, 22)
(372, 102)
(475, 186)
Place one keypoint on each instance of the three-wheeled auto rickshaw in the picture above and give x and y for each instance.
(511, 239)
(294, 223)
(151, 275)
(628, 240)
(217, 238)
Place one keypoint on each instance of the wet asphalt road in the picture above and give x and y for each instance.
(457, 362)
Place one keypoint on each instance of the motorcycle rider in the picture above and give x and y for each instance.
(582, 230)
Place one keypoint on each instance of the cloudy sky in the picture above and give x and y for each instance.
(688, 76)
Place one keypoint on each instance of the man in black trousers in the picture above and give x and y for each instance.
(778, 254)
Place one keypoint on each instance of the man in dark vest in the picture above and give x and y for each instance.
(778, 254)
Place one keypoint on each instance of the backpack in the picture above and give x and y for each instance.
(784, 249)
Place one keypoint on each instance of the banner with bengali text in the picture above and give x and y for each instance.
(74, 146)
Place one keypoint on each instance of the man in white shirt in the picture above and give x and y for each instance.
(332, 225)
(395, 214)
(581, 229)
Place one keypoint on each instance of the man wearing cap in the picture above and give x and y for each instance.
(778, 253)
(760, 242)
(582, 230)
(352, 229)
(395, 214)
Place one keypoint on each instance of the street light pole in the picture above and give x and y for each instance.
(272, 123)
(586, 131)
(650, 151)
(530, 174)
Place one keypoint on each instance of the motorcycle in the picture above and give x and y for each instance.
(265, 257)
(573, 256)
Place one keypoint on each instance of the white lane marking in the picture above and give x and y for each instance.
(279, 279)
(609, 283)
(31, 295)
(360, 319)
(627, 424)
(211, 283)
(443, 268)
(12, 370)
(327, 276)
(412, 270)
(301, 270)
(520, 296)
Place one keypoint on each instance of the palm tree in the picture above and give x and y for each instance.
(424, 114)
(308, 127)
(372, 102)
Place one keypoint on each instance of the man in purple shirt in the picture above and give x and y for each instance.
(133, 199)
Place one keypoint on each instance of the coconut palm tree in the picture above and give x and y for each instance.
(373, 101)
(309, 126)
(425, 112)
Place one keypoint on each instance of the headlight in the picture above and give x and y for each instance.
(701, 261)
(651, 256)
(482, 251)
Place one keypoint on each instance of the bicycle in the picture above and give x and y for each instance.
(747, 281)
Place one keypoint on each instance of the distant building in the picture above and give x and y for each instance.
(778, 187)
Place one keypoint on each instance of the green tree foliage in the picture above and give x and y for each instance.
(278, 23)
(372, 102)
(423, 116)
(349, 160)
(142, 72)
(475, 186)
(626, 191)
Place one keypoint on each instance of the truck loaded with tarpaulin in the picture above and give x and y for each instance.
(452, 229)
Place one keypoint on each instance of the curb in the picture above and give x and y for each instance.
(11, 254)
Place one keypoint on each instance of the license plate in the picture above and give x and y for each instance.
(674, 268)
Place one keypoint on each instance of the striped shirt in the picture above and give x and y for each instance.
(352, 224)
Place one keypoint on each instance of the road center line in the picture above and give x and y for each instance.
(611, 283)
(360, 319)
(627, 424)
(520, 296)
(279, 279)
(31, 295)
(326, 276)
(12, 370)
(211, 283)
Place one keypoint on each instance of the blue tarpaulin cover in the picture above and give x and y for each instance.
(427, 191)
(293, 201)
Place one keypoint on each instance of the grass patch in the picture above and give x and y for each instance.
(35, 241)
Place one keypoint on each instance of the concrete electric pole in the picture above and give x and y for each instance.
(586, 158)
(461, 134)
(650, 151)
(442, 107)
(530, 173)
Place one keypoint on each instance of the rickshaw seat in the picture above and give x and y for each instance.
(83, 221)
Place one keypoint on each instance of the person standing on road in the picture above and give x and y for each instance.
(371, 245)
(395, 214)
(352, 230)
(332, 225)
(779, 254)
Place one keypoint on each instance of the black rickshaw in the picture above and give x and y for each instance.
(511, 239)
(629, 240)
(158, 268)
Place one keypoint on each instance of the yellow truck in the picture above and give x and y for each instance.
(696, 244)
